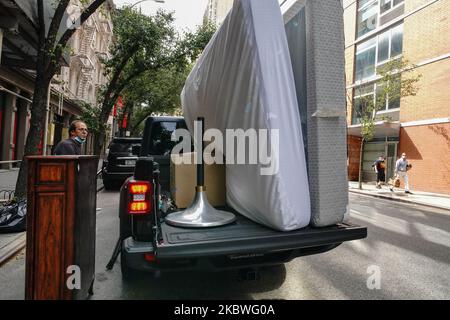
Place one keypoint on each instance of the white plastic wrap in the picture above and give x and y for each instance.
(244, 80)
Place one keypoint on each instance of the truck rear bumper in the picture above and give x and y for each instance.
(134, 256)
(237, 253)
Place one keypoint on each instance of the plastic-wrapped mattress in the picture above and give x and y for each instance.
(244, 80)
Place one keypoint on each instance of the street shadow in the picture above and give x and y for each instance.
(202, 285)
(413, 241)
(334, 276)
(409, 213)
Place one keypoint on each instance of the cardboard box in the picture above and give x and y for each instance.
(183, 179)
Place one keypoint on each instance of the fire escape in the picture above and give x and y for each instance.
(84, 57)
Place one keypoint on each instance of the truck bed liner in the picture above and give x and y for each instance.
(246, 236)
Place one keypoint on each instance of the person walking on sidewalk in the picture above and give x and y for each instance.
(401, 171)
(78, 132)
(379, 167)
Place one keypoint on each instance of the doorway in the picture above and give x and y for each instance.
(391, 158)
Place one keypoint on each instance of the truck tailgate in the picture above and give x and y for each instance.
(245, 236)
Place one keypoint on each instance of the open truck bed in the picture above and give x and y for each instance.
(148, 243)
(240, 244)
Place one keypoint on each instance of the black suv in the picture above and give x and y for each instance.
(120, 161)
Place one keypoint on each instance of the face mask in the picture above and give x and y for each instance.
(79, 140)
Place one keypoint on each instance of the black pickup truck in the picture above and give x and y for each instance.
(149, 244)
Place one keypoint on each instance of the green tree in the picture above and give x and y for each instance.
(157, 92)
(396, 80)
(145, 45)
(51, 46)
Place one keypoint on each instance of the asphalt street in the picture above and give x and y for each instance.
(405, 256)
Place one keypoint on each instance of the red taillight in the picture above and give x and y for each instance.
(139, 197)
(139, 188)
(150, 257)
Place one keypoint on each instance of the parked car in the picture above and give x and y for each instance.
(120, 161)
(148, 243)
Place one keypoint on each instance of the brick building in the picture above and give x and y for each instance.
(377, 31)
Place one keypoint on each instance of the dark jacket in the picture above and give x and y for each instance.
(68, 147)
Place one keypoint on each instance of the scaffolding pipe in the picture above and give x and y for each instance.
(47, 109)
(14, 94)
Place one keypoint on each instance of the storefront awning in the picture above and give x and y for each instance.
(382, 129)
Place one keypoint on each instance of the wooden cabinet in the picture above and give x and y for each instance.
(61, 227)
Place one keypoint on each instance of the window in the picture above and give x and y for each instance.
(390, 44)
(374, 13)
(374, 93)
(391, 98)
(376, 51)
(161, 134)
(363, 96)
(367, 17)
(366, 59)
(383, 47)
(386, 5)
(397, 41)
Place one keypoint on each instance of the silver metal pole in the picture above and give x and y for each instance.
(1, 43)
(47, 109)
(15, 94)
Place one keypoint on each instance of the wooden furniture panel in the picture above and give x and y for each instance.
(61, 225)
(49, 245)
(51, 173)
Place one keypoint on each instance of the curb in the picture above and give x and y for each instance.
(12, 248)
(399, 200)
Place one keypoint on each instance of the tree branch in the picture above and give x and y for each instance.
(55, 24)
(107, 104)
(141, 119)
(119, 70)
(40, 7)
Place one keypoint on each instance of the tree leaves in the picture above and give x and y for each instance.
(149, 63)
(395, 82)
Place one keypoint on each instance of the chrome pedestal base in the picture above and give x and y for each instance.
(200, 214)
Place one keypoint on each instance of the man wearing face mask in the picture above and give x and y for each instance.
(78, 132)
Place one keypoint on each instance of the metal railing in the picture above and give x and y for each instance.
(6, 195)
(99, 173)
(10, 161)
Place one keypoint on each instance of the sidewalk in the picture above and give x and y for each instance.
(440, 201)
(8, 179)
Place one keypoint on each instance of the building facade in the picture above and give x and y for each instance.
(377, 31)
(78, 82)
(217, 10)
